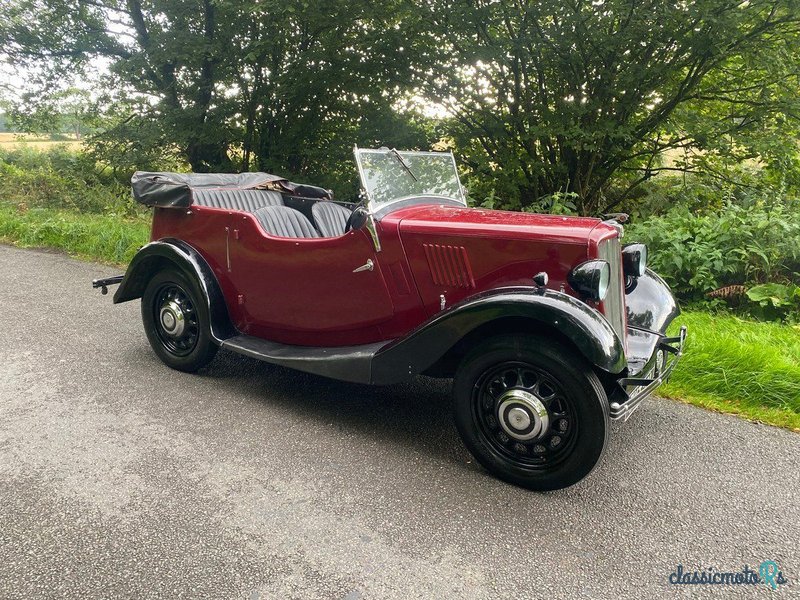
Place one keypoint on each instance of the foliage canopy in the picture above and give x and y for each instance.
(545, 100)
(586, 97)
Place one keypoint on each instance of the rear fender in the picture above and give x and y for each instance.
(172, 253)
(584, 327)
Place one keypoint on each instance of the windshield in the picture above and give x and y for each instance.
(390, 175)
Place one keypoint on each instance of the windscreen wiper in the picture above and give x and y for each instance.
(404, 164)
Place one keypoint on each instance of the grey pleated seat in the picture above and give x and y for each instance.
(282, 221)
(330, 218)
(244, 200)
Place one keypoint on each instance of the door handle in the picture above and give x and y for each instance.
(367, 267)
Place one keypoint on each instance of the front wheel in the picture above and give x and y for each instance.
(531, 412)
(176, 321)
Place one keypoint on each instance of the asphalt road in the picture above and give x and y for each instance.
(122, 478)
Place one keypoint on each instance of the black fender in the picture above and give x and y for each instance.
(650, 303)
(155, 256)
(586, 328)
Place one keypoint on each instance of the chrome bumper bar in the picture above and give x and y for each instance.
(659, 374)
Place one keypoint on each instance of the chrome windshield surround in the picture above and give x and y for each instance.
(389, 176)
(372, 229)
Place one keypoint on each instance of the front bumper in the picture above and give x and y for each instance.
(633, 390)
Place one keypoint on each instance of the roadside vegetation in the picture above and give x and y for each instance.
(739, 366)
(64, 199)
(739, 252)
(103, 238)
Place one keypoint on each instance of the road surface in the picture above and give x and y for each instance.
(122, 478)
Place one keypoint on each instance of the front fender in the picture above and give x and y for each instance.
(172, 253)
(586, 328)
(650, 303)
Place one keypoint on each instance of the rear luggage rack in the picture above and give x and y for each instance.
(104, 283)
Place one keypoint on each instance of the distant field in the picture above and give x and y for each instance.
(14, 140)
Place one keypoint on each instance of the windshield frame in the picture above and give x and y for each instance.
(382, 208)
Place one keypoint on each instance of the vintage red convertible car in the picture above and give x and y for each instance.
(547, 325)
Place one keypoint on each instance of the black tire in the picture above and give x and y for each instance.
(174, 292)
(496, 390)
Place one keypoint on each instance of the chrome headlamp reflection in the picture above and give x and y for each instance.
(591, 279)
(634, 260)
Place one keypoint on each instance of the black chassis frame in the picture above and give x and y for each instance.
(651, 307)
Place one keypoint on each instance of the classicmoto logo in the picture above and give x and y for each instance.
(767, 573)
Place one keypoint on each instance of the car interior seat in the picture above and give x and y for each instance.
(234, 199)
(283, 221)
(330, 218)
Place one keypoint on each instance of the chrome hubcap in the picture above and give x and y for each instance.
(522, 415)
(172, 319)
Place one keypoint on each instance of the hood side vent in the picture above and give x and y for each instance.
(449, 265)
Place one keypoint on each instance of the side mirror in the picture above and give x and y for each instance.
(358, 218)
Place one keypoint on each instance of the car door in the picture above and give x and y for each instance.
(308, 291)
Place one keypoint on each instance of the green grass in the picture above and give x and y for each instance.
(730, 365)
(106, 238)
(27, 140)
(747, 368)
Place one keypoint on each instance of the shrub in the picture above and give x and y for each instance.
(62, 179)
(699, 253)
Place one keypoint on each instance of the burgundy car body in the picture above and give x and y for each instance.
(311, 296)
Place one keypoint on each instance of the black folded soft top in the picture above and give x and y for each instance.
(175, 189)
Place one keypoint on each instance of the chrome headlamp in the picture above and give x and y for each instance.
(634, 260)
(591, 279)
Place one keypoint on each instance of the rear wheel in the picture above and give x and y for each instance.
(176, 321)
(531, 412)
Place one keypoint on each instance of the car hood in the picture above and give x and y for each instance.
(498, 224)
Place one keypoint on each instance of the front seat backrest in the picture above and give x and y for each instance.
(234, 199)
(282, 221)
(330, 218)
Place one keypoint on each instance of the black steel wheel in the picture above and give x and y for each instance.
(531, 412)
(175, 319)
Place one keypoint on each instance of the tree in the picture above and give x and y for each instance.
(67, 111)
(583, 97)
(275, 85)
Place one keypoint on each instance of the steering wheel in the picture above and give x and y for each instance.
(349, 224)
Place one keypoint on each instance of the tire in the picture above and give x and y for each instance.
(532, 412)
(188, 346)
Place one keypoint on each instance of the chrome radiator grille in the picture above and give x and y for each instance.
(614, 303)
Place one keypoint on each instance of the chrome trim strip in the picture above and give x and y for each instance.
(228, 248)
(624, 410)
(372, 229)
(614, 303)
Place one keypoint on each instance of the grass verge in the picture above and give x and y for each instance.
(747, 368)
(105, 238)
(730, 365)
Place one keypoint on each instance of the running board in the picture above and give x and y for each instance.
(348, 363)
